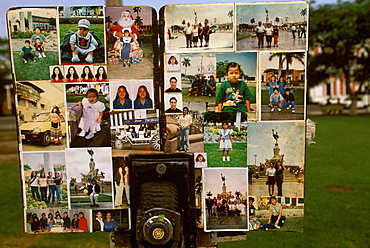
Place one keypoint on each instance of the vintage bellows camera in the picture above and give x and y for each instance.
(162, 200)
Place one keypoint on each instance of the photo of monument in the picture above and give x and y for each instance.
(90, 178)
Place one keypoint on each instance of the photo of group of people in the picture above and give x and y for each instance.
(229, 90)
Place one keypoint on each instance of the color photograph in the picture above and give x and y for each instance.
(225, 192)
(272, 26)
(199, 27)
(90, 178)
(34, 42)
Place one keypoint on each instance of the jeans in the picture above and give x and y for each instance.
(43, 193)
(94, 199)
(286, 104)
(52, 190)
(59, 192)
(35, 193)
(184, 134)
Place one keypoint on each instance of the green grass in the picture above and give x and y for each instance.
(336, 201)
(238, 156)
(298, 96)
(78, 98)
(101, 198)
(38, 70)
(242, 36)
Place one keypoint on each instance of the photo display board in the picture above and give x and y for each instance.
(227, 92)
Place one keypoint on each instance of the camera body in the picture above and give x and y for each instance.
(162, 200)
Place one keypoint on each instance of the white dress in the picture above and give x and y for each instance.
(90, 115)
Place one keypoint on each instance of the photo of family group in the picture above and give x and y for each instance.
(199, 28)
(283, 86)
(272, 26)
(58, 220)
(34, 42)
(225, 192)
(45, 179)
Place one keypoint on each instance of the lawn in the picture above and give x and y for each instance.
(38, 70)
(242, 36)
(238, 156)
(336, 201)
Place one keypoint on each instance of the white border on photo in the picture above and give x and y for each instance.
(236, 180)
(132, 87)
(168, 65)
(167, 77)
(167, 98)
(197, 164)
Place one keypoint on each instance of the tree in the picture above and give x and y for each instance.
(230, 14)
(253, 20)
(186, 62)
(137, 10)
(303, 13)
(288, 59)
(338, 32)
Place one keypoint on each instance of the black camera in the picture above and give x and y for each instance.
(162, 200)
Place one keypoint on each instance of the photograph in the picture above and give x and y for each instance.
(237, 73)
(121, 183)
(272, 26)
(81, 34)
(282, 86)
(90, 178)
(45, 180)
(88, 114)
(129, 34)
(276, 155)
(134, 132)
(225, 139)
(172, 82)
(184, 131)
(198, 77)
(57, 220)
(200, 160)
(276, 213)
(132, 94)
(173, 62)
(111, 220)
(199, 28)
(173, 103)
(41, 115)
(33, 42)
(225, 194)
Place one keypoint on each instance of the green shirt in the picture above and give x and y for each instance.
(233, 96)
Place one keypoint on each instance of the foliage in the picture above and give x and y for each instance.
(221, 68)
(337, 33)
(24, 34)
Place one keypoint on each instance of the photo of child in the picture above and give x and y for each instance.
(126, 43)
(233, 95)
(27, 52)
(92, 114)
(81, 33)
(225, 141)
(237, 74)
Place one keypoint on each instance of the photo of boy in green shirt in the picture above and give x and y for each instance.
(233, 95)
